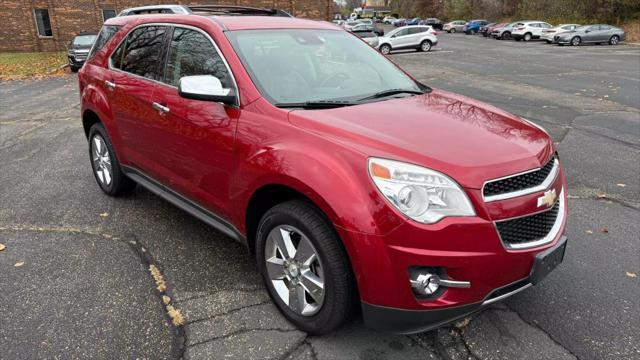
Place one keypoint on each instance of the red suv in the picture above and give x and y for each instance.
(352, 184)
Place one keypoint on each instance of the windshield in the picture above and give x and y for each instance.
(297, 66)
(84, 40)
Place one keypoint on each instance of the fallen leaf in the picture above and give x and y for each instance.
(631, 275)
(18, 264)
(604, 230)
(601, 195)
(104, 214)
(462, 323)
(621, 185)
(166, 300)
(589, 232)
(2, 247)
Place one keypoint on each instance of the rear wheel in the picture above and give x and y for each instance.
(527, 37)
(452, 31)
(385, 49)
(505, 35)
(614, 40)
(425, 46)
(576, 41)
(304, 267)
(105, 165)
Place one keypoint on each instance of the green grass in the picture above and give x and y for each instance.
(28, 65)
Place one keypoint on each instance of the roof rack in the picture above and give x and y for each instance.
(238, 10)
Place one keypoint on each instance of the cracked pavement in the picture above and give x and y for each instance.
(85, 289)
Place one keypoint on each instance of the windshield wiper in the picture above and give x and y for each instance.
(390, 92)
(319, 104)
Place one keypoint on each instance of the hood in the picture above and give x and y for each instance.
(80, 47)
(470, 141)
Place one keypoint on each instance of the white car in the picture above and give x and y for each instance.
(454, 26)
(548, 34)
(527, 30)
(389, 20)
(420, 37)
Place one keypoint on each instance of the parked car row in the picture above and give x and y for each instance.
(563, 34)
(436, 24)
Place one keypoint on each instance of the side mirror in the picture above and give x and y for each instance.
(205, 87)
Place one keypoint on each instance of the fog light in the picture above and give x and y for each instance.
(425, 284)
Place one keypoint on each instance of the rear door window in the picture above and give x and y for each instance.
(192, 53)
(142, 52)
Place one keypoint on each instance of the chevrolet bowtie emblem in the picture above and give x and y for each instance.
(548, 199)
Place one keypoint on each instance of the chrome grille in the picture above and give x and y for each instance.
(521, 184)
(523, 231)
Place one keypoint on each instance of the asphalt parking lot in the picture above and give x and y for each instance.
(75, 279)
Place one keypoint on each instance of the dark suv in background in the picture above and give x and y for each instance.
(79, 48)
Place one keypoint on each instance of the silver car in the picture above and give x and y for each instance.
(591, 34)
(454, 26)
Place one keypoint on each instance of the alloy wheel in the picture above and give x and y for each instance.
(295, 270)
(385, 49)
(101, 160)
(614, 40)
(575, 41)
(425, 46)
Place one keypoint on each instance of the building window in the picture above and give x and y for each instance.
(108, 14)
(43, 22)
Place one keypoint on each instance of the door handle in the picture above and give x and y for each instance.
(161, 109)
(110, 85)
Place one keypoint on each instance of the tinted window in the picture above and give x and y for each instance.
(84, 40)
(108, 14)
(143, 52)
(43, 23)
(105, 35)
(402, 32)
(192, 53)
(416, 30)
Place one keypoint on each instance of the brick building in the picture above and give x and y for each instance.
(48, 25)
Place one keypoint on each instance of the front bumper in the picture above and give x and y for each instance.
(467, 249)
(76, 60)
(404, 321)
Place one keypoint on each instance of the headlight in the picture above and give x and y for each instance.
(422, 194)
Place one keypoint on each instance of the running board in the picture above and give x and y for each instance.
(184, 204)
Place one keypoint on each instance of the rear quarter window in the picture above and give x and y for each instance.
(104, 36)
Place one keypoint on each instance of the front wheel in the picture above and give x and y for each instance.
(385, 49)
(452, 31)
(527, 37)
(576, 41)
(425, 46)
(305, 267)
(614, 40)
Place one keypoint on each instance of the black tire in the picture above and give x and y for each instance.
(74, 68)
(452, 31)
(576, 41)
(549, 41)
(425, 46)
(120, 184)
(385, 49)
(614, 40)
(505, 35)
(527, 37)
(340, 295)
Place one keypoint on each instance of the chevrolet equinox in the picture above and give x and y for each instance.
(352, 184)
